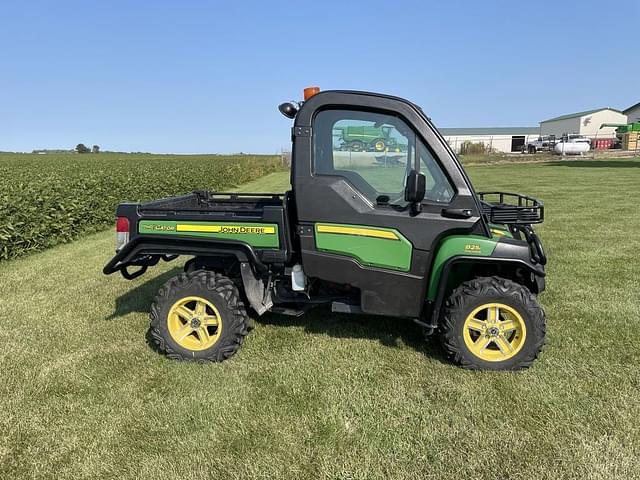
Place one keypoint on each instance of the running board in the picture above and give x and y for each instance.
(340, 307)
(291, 312)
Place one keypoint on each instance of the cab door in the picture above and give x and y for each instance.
(355, 226)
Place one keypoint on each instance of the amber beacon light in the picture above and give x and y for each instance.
(310, 92)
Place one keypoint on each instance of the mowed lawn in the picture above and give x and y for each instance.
(332, 396)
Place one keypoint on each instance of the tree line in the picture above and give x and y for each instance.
(82, 148)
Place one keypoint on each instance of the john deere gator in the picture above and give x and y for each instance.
(409, 239)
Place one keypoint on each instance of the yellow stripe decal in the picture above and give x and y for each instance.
(362, 232)
(500, 233)
(226, 229)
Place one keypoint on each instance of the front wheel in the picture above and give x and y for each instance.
(492, 323)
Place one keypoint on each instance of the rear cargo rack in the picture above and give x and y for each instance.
(205, 202)
(511, 208)
(205, 194)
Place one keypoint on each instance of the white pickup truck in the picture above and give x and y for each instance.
(544, 143)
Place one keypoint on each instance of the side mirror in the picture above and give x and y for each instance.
(415, 190)
(288, 109)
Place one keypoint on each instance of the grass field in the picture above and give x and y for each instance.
(332, 396)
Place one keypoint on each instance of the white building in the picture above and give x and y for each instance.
(512, 139)
(633, 113)
(584, 123)
(499, 139)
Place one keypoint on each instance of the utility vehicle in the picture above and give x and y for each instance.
(410, 239)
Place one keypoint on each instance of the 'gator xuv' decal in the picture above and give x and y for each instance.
(257, 235)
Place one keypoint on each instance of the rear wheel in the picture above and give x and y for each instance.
(356, 146)
(492, 323)
(198, 316)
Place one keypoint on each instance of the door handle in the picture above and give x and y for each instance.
(457, 212)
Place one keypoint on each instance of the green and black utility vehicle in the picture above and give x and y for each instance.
(409, 238)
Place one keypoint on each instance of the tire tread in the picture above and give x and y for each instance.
(488, 287)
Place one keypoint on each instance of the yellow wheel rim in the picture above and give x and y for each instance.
(194, 323)
(494, 332)
(379, 146)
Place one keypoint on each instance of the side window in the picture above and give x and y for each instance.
(372, 150)
(439, 188)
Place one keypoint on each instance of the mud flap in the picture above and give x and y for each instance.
(257, 293)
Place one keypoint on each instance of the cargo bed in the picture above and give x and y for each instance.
(201, 223)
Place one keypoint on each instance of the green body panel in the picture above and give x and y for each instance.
(389, 253)
(473, 245)
(259, 235)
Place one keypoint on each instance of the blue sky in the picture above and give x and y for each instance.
(195, 76)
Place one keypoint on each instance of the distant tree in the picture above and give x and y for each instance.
(82, 148)
(95, 149)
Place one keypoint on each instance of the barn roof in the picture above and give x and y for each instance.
(487, 131)
(631, 108)
(579, 114)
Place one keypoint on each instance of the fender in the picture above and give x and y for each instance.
(144, 251)
(446, 269)
(477, 250)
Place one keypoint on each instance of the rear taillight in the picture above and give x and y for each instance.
(122, 232)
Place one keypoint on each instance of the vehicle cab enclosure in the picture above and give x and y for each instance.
(357, 225)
